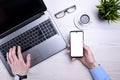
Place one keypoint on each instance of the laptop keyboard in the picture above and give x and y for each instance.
(30, 38)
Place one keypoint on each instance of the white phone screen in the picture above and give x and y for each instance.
(76, 43)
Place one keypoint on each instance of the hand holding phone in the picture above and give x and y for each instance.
(76, 43)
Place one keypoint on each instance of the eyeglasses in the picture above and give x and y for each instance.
(68, 10)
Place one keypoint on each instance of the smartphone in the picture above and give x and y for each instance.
(76, 43)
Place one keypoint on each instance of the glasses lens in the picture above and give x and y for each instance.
(71, 9)
(60, 14)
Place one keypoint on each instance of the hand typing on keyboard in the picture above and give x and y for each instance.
(16, 61)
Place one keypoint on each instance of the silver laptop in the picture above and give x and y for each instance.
(28, 24)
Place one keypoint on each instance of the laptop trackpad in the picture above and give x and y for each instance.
(46, 49)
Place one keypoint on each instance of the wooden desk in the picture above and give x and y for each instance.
(101, 37)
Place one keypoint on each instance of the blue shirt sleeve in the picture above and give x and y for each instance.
(99, 73)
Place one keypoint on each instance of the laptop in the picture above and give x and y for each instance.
(27, 23)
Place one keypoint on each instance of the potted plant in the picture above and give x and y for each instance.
(109, 10)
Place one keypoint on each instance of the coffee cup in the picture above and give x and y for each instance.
(84, 19)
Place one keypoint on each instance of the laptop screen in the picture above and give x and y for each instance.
(13, 12)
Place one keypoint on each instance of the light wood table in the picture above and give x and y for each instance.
(101, 37)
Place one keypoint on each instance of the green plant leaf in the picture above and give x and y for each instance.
(109, 9)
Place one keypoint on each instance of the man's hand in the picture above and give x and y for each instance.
(88, 59)
(17, 63)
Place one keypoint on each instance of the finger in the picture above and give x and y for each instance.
(28, 60)
(14, 53)
(68, 51)
(85, 47)
(20, 54)
(86, 50)
(74, 59)
(68, 45)
(10, 56)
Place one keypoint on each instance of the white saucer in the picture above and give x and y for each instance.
(77, 22)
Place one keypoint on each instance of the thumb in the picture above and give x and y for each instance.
(28, 60)
(73, 59)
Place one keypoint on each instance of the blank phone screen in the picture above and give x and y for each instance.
(76, 43)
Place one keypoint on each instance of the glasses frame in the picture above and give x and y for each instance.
(65, 11)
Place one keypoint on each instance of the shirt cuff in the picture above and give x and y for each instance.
(99, 73)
